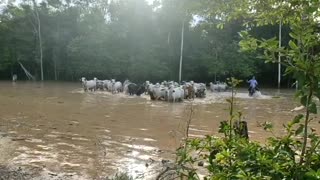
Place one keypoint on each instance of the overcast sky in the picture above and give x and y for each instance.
(17, 1)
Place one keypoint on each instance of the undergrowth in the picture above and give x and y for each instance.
(235, 157)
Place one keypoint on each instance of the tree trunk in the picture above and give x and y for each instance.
(241, 129)
(55, 68)
(39, 36)
(181, 51)
(56, 52)
(279, 56)
(215, 77)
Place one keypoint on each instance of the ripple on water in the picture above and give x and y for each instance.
(252, 132)
(65, 133)
(134, 167)
(196, 135)
(130, 138)
(107, 131)
(199, 130)
(132, 146)
(12, 132)
(44, 147)
(202, 126)
(34, 140)
(69, 145)
(23, 148)
(35, 129)
(35, 157)
(80, 139)
(140, 166)
(156, 106)
(78, 90)
(149, 140)
(47, 174)
(70, 164)
(52, 135)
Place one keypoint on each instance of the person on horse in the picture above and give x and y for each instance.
(253, 85)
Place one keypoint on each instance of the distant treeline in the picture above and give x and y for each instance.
(125, 39)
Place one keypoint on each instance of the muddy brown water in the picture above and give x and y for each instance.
(59, 128)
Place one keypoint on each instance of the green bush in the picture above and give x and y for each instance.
(234, 157)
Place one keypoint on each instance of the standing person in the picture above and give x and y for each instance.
(14, 78)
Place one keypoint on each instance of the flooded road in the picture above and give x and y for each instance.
(58, 128)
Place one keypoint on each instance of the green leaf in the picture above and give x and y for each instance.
(267, 126)
(312, 9)
(293, 45)
(303, 100)
(299, 130)
(313, 175)
(220, 26)
(293, 35)
(224, 127)
(244, 34)
(313, 108)
(297, 119)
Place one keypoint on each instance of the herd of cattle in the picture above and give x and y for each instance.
(166, 90)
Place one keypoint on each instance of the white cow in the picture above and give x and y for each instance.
(150, 87)
(218, 87)
(89, 85)
(175, 94)
(125, 86)
(214, 87)
(146, 86)
(157, 92)
(116, 87)
(199, 89)
(107, 85)
(189, 91)
(100, 85)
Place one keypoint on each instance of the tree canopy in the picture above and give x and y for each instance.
(127, 39)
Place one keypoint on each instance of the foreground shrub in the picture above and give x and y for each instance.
(235, 157)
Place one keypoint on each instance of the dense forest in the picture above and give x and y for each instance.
(135, 39)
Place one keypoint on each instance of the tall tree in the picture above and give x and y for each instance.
(35, 6)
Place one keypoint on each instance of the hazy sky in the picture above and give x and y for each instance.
(150, 1)
(7, 1)
(16, 2)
